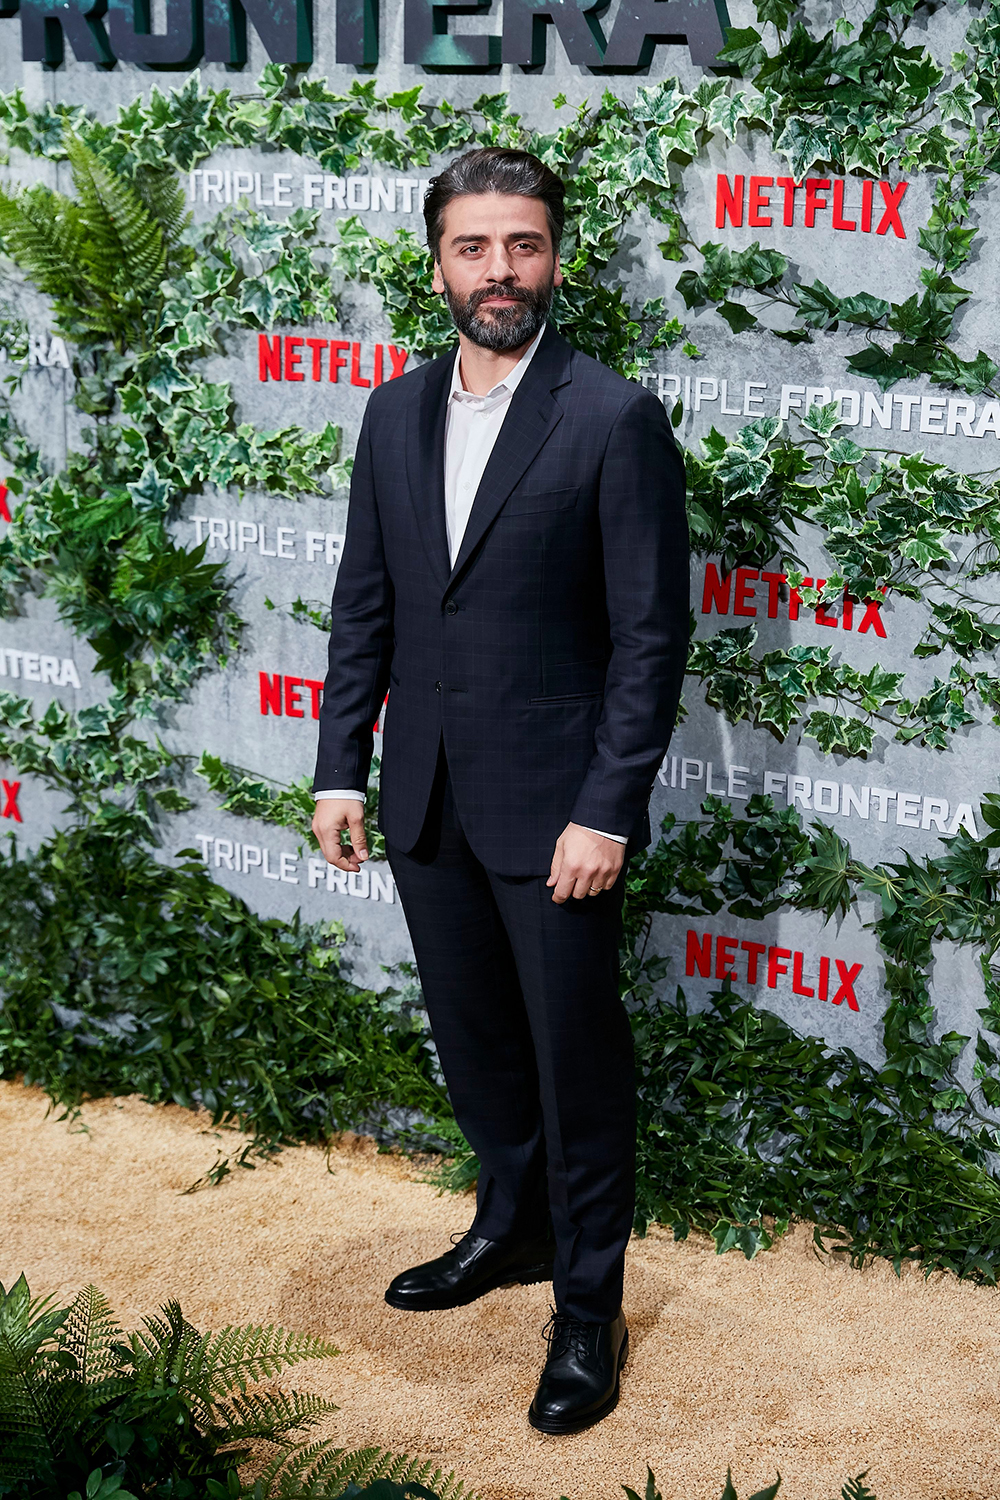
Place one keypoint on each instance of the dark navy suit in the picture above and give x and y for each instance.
(533, 684)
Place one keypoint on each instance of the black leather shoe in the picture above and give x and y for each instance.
(474, 1267)
(579, 1385)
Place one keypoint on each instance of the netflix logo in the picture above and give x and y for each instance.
(806, 203)
(737, 590)
(284, 357)
(715, 957)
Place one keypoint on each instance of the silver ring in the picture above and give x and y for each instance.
(595, 890)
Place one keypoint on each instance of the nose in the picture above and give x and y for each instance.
(499, 266)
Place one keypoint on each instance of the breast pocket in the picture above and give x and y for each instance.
(526, 502)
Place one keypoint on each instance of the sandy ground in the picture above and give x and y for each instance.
(789, 1362)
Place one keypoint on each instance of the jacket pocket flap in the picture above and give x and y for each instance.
(525, 501)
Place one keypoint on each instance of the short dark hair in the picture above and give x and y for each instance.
(494, 169)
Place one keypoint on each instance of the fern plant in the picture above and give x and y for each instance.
(167, 1410)
(101, 255)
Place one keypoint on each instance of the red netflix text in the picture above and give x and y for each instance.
(4, 507)
(290, 695)
(752, 196)
(10, 807)
(737, 591)
(759, 961)
(289, 357)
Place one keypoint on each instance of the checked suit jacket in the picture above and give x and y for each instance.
(549, 659)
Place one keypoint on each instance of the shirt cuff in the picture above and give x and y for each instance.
(355, 796)
(615, 838)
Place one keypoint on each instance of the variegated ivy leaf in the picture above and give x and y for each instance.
(741, 474)
(918, 473)
(658, 103)
(835, 733)
(756, 436)
(727, 110)
(957, 103)
(843, 451)
(707, 91)
(804, 144)
(924, 546)
(150, 492)
(822, 420)
(776, 706)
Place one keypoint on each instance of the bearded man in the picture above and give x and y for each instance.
(515, 575)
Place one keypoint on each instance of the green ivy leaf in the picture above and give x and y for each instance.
(743, 49)
(876, 364)
(803, 144)
(738, 317)
(837, 734)
(924, 546)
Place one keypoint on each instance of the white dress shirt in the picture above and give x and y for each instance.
(472, 426)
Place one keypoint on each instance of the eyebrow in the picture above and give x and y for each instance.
(478, 239)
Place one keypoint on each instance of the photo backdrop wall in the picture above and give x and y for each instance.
(780, 223)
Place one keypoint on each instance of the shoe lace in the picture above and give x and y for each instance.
(566, 1335)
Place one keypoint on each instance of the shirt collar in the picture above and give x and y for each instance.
(504, 388)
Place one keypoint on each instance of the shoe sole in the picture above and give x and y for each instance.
(565, 1429)
(529, 1276)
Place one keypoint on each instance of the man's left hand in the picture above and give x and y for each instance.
(584, 864)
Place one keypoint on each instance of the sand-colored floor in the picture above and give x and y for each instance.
(787, 1363)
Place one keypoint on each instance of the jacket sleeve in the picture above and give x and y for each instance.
(361, 637)
(645, 542)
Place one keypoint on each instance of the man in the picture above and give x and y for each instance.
(515, 574)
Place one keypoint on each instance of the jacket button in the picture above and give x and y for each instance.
(437, 687)
(451, 608)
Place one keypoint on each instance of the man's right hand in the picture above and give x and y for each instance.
(332, 816)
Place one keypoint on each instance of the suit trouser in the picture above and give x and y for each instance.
(536, 1049)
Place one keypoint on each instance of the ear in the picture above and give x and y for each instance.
(557, 275)
(437, 281)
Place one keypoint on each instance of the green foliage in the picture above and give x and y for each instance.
(743, 1120)
(168, 1411)
(101, 256)
(122, 975)
(322, 1470)
(162, 1410)
(854, 1489)
(400, 270)
(744, 496)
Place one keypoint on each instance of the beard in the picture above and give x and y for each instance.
(502, 329)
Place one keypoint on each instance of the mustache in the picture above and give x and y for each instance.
(508, 293)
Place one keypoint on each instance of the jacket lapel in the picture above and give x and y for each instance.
(425, 424)
(532, 417)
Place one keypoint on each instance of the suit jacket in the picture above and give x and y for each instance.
(549, 659)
